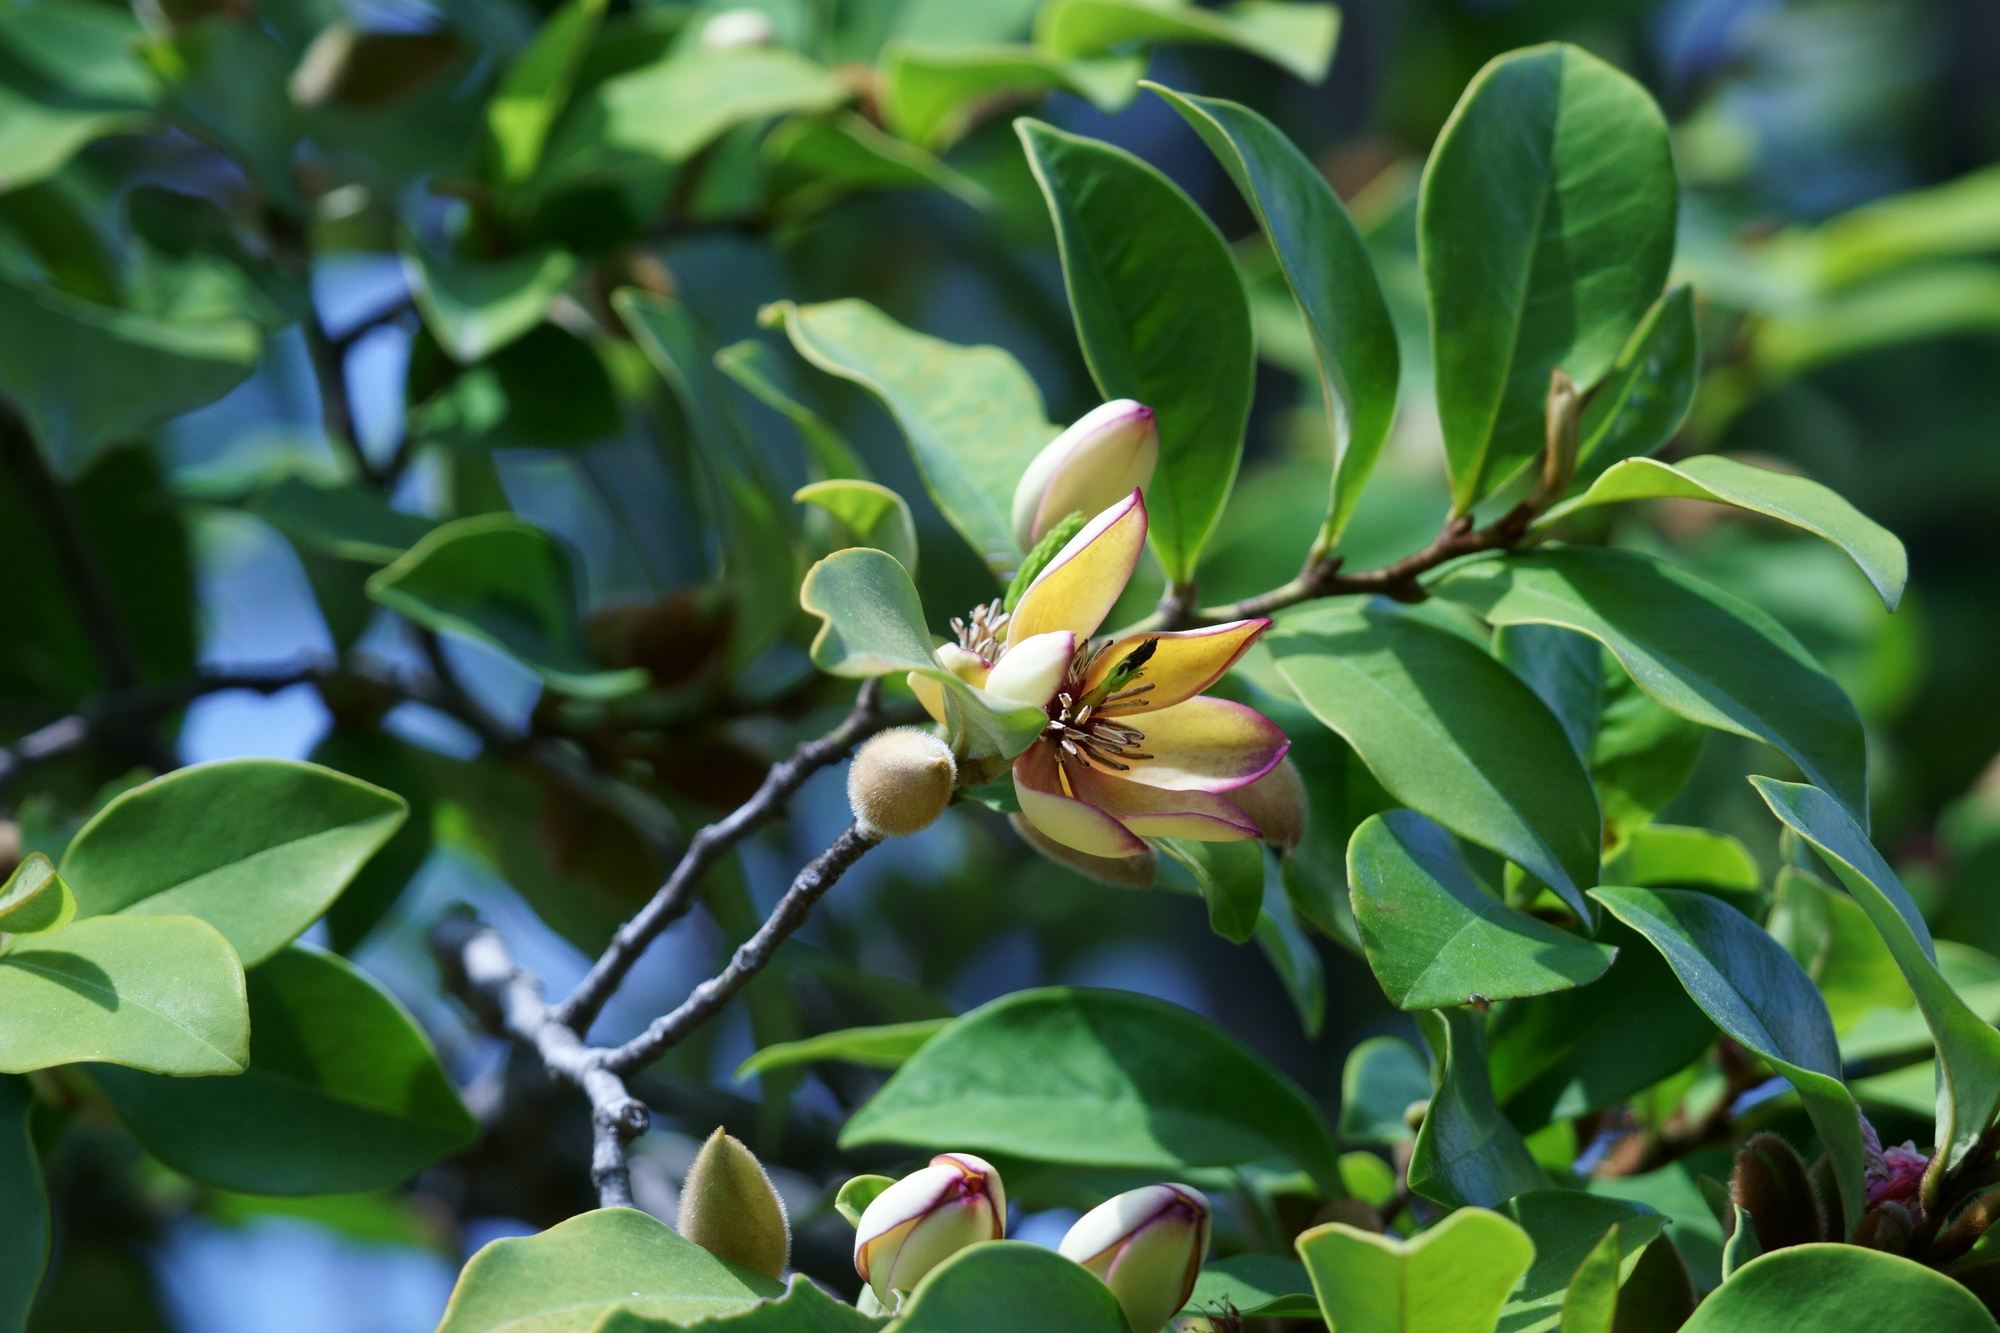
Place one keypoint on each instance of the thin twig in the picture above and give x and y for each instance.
(676, 896)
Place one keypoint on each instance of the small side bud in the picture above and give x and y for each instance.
(925, 1218)
(1277, 804)
(1109, 453)
(729, 1208)
(1123, 872)
(900, 782)
(1564, 424)
(1147, 1245)
(734, 29)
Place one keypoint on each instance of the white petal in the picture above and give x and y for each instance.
(1031, 671)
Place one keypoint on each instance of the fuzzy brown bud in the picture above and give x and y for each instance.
(1276, 803)
(900, 782)
(729, 1208)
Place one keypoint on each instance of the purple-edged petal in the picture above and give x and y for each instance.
(1152, 812)
(1080, 586)
(1046, 802)
(1205, 744)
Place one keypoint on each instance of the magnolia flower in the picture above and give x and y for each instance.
(925, 1218)
(1147, 1245)
(1107, 454)
(1131, 750)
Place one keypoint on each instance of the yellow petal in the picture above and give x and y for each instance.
(1152, 812)
(1073, 823)
(1080, 586)
(930, 694)
(1183, 664)
(1205, 744)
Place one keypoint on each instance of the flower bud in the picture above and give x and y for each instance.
(736, 28)
(1123, 872)
(900, 782)
(1276, 804)
(1147, 1245)
(729, 1208)
(1109, 453)
(925, 1218)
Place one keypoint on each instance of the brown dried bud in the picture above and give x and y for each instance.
(1770, 1183)
(1887, 1227)
(1122, 872)
(729, 1208)
(1277, 804)
(901, 782)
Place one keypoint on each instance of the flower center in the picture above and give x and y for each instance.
(1081, 721)
(986, 633)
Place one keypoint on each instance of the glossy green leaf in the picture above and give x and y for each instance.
(1257, 1286)
(1546, 225)
(505, 582)
(158, 993)
(1564, 669)
(1644, 399)
(1436, 937)
(1326, 265)
(1005, 1286)
(1780, 495)
(1450, 732)
(24, 1207)
(871, 514)
(1097, 1078)
(857, 1194)
(86, 376)
(829, 456)
(1697, 650)
(1968, 1047)
(1296, 37)
(348, 521)
(1590, 1302)
(804, 1308)
(1382, 1078)
(1289, 948)
(255, 847)
(1660, 855)
(34, 899)
(884, 1047)
(1467, 1152)
(1742, 1245)
(1833, 939)
(475, 307)
(820, 159)
(1230, 878)
(568, 1277)
(1755, 992)
(1643, 756)
(343, 1093)
(973, 417)
(536, 85)
(673, 108)
(931, 93)
(1821, 1288)
(1567, 1227)
(1454, 1278)
(1162, 318)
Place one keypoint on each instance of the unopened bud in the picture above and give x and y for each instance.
(1109, 453)
(1565, 431)
(900, 782)
(1124, 872)
(729, 1208)
(1277, 804)
(736, 28)
(925, 1218)
(1147, 1245)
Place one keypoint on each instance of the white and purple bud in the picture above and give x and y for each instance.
(1109, 453)
(734, 29)
(1147, 1245)
(925, 1218)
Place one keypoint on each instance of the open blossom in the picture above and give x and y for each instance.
(1131, 749)
(925, 1218)
(1147, 1246)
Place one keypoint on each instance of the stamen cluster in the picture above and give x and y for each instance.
(986, 633)
(1081, 722)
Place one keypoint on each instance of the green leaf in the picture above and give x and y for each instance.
(255, 847)
(348, 521)
(1546, 224)
(1453, 1278)
(374, 755)
(1257, 1286)
(1162, 318)
(158, 993)
(1383, 1077)
(1828, 1287)
(829, 457)
(1968, 1048)
(1644, 399)
(857, 1194)
(24, 1207)
(1326, 265)
(1450, 732)
(474, 307)
(1289, 948)
(1564, 669)
(343, 1093)
(1642, 757)
(1790, 499)
(1296, 37)
(1662, 855)
(38, 138)
(1230, 878)
(86, 376)
(973, 417)
(1566, 1227)
(821, 159)
(674, 108)
(1436, 937)
(568, 1277)
(35, 900)
(505, 582)
(1590, 1302)
(1755, 992)
(1005, 1286)
(73, 75)
(802, 1309)
(872, 515)
(1923, 302)
(1096, 1078)
(1742, 1245)
(536, 85)
(1696, 649)
(884, 1047)
(1467, 1152)
(931, 93)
